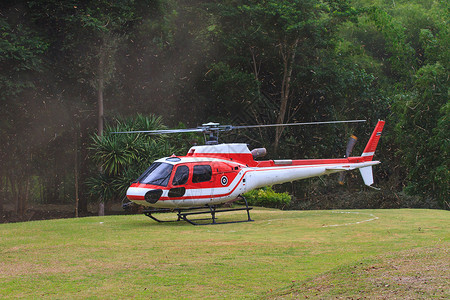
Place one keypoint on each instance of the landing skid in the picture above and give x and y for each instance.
(184, 214)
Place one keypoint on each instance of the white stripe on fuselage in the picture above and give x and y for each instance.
(368, 154)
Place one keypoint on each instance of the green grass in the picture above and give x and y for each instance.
(420, 273)
(132, 256)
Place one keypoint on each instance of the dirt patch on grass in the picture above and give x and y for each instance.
(421, 273)
(425, 272)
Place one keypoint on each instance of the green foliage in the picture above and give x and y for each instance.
(124, 156)
(400, 52)
(267, 197)
(435, 39)
(279, 63)
(422, 129)
(423, 133)
(408, 44)
(21, 51)
(22, 57)
(199, 61)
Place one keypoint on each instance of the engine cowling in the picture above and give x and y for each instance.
(259, 152)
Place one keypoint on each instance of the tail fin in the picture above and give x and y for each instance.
(369, 151)
(367, 175)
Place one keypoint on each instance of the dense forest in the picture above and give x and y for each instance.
(70, 70)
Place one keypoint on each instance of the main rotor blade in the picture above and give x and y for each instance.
(214, 127)
(163, 131)
(294, 124)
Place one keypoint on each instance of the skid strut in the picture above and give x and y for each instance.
(185, 214)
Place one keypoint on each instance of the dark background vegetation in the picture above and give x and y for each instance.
(184, 63)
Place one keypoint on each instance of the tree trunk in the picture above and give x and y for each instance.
(100, 94)
(14, 192)
(101, 207)
(288, 57)
(25, 196)
(19, 193)
(76, 173)
(83, 170)
(3, 186)
(255, 64)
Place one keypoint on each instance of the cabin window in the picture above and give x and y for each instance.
(181, 175)
(157, 174)
(202, 173)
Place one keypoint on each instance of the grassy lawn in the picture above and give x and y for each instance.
(420, 273)
(281, 254)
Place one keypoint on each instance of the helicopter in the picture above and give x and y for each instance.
(213, 174)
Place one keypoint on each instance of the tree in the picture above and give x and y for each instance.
(423, 133)
(278, 42)
(104, 24)
(422, 130)
(401, 54)
(21, 62)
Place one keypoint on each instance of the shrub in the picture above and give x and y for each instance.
(267, 197)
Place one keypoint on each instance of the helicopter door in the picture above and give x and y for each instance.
(179, 180)
(202, 180)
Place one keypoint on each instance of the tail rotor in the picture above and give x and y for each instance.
(348, 151)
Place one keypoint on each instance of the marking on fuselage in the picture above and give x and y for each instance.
(224, 180)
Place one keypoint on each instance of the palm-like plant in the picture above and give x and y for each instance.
(124, 156)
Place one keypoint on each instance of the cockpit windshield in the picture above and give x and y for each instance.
(157, 174)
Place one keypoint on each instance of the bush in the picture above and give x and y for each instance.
(267, 197)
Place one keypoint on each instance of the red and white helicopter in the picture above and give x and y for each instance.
(213, 174)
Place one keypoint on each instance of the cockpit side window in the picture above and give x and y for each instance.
(157, 174)
(202, 173)
(181, 175)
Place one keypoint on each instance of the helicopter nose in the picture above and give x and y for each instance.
(153, 196)
(149, 195)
